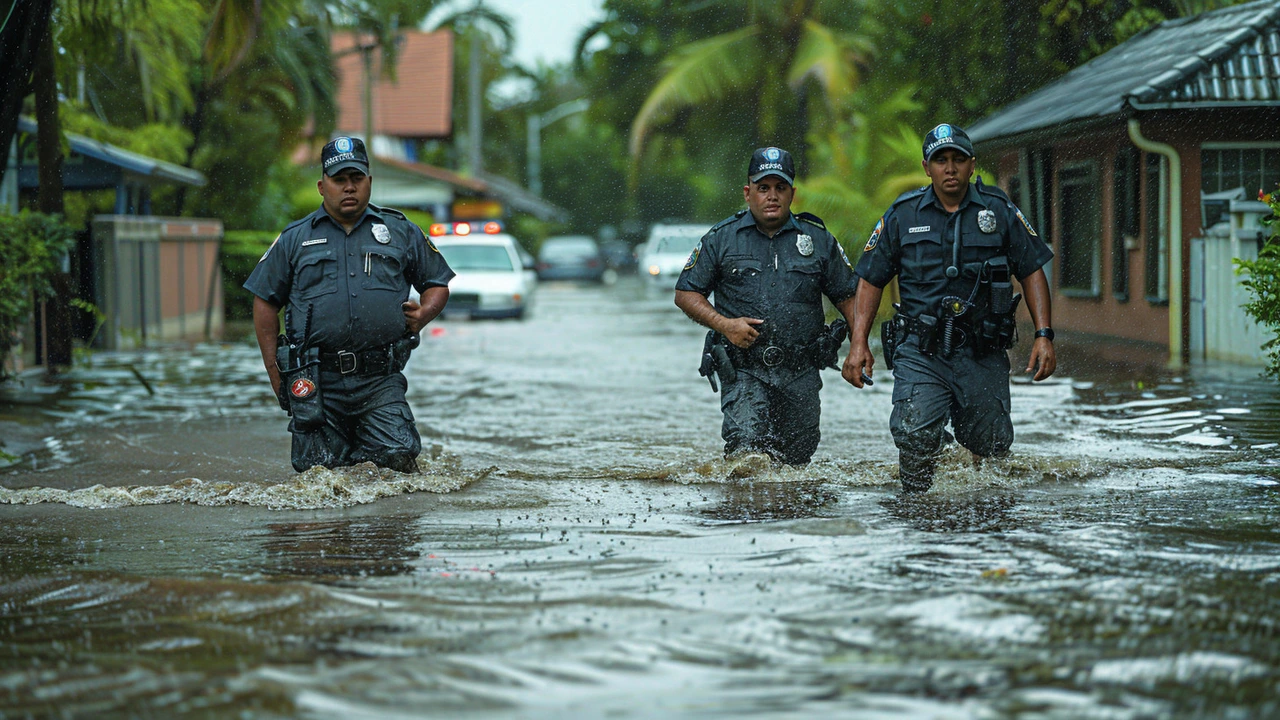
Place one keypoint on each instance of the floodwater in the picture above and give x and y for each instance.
(575, 547)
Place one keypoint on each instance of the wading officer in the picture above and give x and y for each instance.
(769, 270)
(343, 273)
(954, 247)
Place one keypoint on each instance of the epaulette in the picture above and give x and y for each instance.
(727, 220)
(910, 194)
(811, 219)
(389, 211)
(992, 190)
(296, 223)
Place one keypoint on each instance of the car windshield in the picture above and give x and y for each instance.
(568, 249)
(680, 244)
(477, 257)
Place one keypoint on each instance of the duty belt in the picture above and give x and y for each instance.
(365, 362)
(772, 356)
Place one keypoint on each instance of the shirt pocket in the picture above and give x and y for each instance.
(742, 273)
(979, 247)
(316, 274)
(385, 268)
(805, 275)
(922, 257)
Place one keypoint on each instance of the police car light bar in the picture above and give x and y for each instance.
(437, 230)
(492, 227)
(461, 228)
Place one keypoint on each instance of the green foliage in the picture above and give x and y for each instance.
(241, 251)
(1261, 278)
(31, 245)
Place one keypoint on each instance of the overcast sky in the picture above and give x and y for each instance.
(546, 30)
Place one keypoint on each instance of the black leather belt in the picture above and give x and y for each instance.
(772, 356)
(365, 362)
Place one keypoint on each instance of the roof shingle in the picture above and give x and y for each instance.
(418, 104)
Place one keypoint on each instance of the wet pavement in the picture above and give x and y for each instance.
(575, 547)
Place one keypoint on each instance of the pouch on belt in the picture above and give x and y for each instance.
(300, 383)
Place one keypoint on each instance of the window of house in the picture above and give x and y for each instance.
(1228, 166)
(1155, 234)
(1081, 224)
(1126, 214)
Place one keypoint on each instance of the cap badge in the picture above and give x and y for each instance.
(986, 221)
(804, 244)
(342, 144)
(942, 131)
(381, 234)
(302, 388)
(772, 154)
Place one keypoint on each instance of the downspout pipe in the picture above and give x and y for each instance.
(1175, 235)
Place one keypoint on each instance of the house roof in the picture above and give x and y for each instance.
(417, 104)
(129, 162)
(1225, 58)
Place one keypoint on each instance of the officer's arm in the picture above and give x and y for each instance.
(1043, 359)
(860, 360)
(416, 316)
(740, 331)
(266, 325)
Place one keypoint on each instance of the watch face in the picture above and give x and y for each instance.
(1045, 333)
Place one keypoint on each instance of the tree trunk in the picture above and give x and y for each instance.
(19, 42)
(49, 136)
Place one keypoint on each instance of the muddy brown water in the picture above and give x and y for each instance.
(575, 547)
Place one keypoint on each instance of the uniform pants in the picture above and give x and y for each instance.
(971, 392)
(366, 420)
(779, 420)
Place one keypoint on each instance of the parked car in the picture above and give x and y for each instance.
(619, 257)
(570, 257)
(494, 280)
(667, 250)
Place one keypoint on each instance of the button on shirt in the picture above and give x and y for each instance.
(753, 275)
(915, 242)
(353, 283)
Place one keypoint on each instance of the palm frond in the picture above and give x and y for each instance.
(823, 56)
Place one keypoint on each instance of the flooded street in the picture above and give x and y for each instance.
(575, 546)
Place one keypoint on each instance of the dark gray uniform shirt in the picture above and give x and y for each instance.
(774, 279)
(354, 283)
(915, 239)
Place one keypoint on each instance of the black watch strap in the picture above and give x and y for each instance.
(1046, 332)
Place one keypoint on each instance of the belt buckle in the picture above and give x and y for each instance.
(346, 362)
(772, 356)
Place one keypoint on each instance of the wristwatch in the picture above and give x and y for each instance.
(1045, 332)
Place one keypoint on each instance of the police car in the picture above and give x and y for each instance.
(667, 250)
(495, 277)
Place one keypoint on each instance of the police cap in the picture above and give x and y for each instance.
(947, 136)
(771, 161)
(342, 153)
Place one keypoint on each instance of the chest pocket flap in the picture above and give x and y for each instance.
(385, 265)
(315, 274)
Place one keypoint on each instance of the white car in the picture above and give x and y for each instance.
(665, 254)
(495, 277)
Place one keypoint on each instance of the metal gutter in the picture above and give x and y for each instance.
(1175, 235)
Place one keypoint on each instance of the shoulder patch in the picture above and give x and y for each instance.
(1030, 230)
(728, 220)
(693, 256)
(272, 247)
(875, 236)
(812, 219)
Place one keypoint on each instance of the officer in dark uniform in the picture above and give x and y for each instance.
(954, 247)
(344, 272)
(769, 270)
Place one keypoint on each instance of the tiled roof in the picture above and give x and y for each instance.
(1225, 58)
(418, 104)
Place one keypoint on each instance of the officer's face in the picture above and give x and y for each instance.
(950, 171)
(346, 194)
(769, 199)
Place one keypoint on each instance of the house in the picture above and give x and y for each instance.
(1142, 168)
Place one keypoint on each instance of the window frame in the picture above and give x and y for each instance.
(1083, 174)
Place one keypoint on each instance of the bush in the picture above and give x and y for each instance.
(241, 251)
(30, 246)
(1262, 279)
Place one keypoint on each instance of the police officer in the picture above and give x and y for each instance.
(954, 246)
(343, 273)
(769, 270)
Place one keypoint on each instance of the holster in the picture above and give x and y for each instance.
(998, 332)
(892, 333)
(825, 349)
(715, 362)
(402, 349)
(300, 384)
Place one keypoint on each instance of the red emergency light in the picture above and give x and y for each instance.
(438, 229)
(492, 227)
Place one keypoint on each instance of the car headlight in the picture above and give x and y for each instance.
(655, 270)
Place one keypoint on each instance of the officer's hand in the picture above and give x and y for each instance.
(1043, 359)
(859, 361)
(742, 331)
(412, 317)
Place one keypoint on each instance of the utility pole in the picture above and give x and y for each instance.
(474, 128)
(534, 125)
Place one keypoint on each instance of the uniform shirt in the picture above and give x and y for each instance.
(915, 242)
(354, 283)
(753, 275)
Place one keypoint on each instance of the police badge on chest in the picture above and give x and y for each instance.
(986, 221)
(804, 244)
(381, 234)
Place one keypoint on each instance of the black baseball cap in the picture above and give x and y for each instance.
(947, 136)
(342, 153)
(771, 161)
